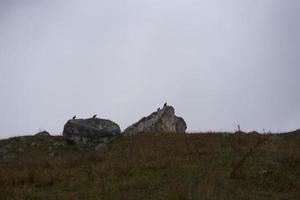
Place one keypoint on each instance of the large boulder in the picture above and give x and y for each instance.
(92, 130)
(163, 120)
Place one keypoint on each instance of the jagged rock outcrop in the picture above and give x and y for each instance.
(163, 120)
(92, 130)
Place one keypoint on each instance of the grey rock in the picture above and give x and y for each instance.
(296, 132)
(57, 144)
(254, 133)
(20, 149)
(43, 133)
(163, 120)
(90, 130)
(106, 140)
(180, 125)
(85, 140)
(8, 157)
(240, 132)
(3, 152)
(101, 147)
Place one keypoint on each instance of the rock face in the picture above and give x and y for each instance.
(92, 130)
(163, 120)
(43, 133)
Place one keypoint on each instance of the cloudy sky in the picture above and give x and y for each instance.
(219, 63)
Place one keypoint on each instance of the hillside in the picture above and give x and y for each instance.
(153, 166)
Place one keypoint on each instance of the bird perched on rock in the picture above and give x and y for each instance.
(239, 128)
(74, 117)
(158, 109)
(94, 116)
(165, 104)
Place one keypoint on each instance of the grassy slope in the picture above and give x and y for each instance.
(156, 166)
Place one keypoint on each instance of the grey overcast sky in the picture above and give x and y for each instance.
(219, 63)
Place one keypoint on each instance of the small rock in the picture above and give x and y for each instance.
(296, 132)
(101, 147)
(3, 152)
(20, 149)
(33, 144)
(43, 133)
(9, 157)
(57, 144)
(107, 140)
(84, 140)
(254, 133)
(240, 132)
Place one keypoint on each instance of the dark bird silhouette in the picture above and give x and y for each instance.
(165, 104)
(74, 117)
(94, 116)
(239, 128)
(158, 109)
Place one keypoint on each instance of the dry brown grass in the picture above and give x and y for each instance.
(157, 166)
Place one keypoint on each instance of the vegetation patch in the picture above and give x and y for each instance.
(153, 166)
